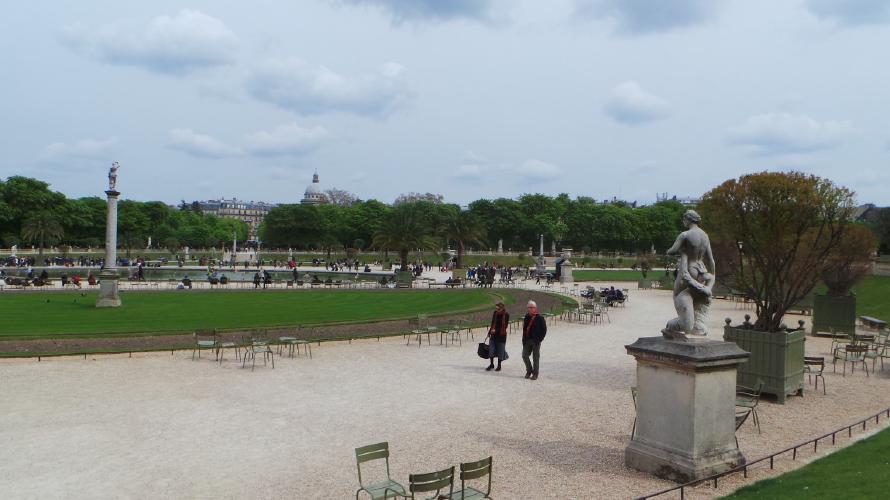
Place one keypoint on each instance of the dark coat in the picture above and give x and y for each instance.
(499, 325)
(538, 329)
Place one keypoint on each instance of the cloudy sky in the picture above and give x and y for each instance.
(467, 98)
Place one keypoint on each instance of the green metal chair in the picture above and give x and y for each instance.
(468, 472)
(851, 353)
(741, 414)
(877, 350)
(813, 366)
(746, 397)
(378, 489)
(258, 344)
(222, 345)
(204, 340)
(634, 392)
(430, 482)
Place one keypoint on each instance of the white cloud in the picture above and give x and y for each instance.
(631, 105)
(431, 10)
(851, 12)
(180, 44)
(648, 16)
(785, 133)
(468, 171)
(81, 149)
(292, 84)
(288, 139)
(536, 170)
(204, 146)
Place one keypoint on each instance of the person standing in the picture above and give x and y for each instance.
(534, 329)
(497, 333)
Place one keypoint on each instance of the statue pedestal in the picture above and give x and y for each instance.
(565, 272)
(685, 408)
(108, 296)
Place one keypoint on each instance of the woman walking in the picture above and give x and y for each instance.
(497, 332)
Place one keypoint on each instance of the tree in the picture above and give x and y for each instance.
(413, 197)
(42, 227)
(850, 261)
(463, 228)
(340, 197)
(404, 230)
(132, 224)
(772, 233)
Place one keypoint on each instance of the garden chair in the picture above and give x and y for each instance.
(741, 414)
(384, 487)
(877, 350)
(294, 342)
(431, 482)
(258, 344)
(228, 344)
(204, 340)
(851, 353)
(813, 366)
(634, 392)
(468, 472)
(452, 333)
(746, 397)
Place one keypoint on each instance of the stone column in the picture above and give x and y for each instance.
(566, 267)
(108, 294)
(685, 408)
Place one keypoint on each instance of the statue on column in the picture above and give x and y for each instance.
(696, 275)
(112, 176)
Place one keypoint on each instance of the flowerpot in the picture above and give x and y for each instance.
(776, 359)
(644, 284)
(834, 314)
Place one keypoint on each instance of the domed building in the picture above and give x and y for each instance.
(314, 195)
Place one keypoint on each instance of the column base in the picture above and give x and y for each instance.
(677, 466)
(108, 290)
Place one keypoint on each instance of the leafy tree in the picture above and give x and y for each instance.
(773, 232)
(464, 229)
(42, 227)
(403, 231)
(132, 224)
(415, 197)
(849, 261)
(340, 197)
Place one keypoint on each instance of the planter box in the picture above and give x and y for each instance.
(776, 359)
(644, 284)
(837, 314)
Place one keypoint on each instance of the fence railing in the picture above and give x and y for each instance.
(771, 458)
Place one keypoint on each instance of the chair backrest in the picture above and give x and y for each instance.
(204, 335)
(379, 451)
(815, 361)
(858, 350)
(432, 481)
(475, 470)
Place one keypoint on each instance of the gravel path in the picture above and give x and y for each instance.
(162, 426)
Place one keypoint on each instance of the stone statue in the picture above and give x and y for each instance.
(112, 176)
(696, 275)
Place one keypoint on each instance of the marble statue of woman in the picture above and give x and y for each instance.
(696, 275)
(112, 176)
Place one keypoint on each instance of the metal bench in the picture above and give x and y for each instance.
(873, 323)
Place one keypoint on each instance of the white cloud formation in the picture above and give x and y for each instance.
(851, 12)
(468, 171)
(785, 133)
(287, 139)
(292, 84)
(648, 16)
(80, 149)
(200, 145)
(430, 10)
(536, 170)
(180, 44)
(631, 105)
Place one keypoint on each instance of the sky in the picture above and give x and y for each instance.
(466, 98)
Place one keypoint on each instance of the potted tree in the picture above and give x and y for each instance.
(772, 234)
(834, 313)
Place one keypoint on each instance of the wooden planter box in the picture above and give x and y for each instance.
(836, 314)
(776, 359)
(644, 284)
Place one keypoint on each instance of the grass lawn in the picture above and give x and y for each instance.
(873, 297)
(861, 470)
(612, 275)
(57, 315)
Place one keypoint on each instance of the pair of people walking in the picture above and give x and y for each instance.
(534, 329)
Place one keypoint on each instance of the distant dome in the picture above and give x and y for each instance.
(314, 194)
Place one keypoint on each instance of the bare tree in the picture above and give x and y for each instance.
(340, 197)
(415, 197)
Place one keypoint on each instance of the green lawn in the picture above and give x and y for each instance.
(612, 275)
(861, 470)
(56, 315)
(873, 297)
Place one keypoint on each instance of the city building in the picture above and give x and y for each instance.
(685, 201)
(314, 194)
(250, 212)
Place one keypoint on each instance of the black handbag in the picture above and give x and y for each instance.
(482, 350)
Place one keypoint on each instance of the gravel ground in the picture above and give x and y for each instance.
(162, 426)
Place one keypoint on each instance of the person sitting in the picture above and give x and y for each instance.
(44, 276)
(256, 280)
(186, 282)
(223, 279)
(267, 278)
(75, 280)
(64, 279)
(91, 279)
(367, 268)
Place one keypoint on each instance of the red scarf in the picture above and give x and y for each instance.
(528, 327)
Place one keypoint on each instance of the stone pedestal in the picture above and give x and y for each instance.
(565, 272)
(108, 293)
(685, 408)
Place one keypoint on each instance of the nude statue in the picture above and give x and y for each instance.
(112, 176)
(696, 275)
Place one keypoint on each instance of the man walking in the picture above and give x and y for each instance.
(534, 329)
